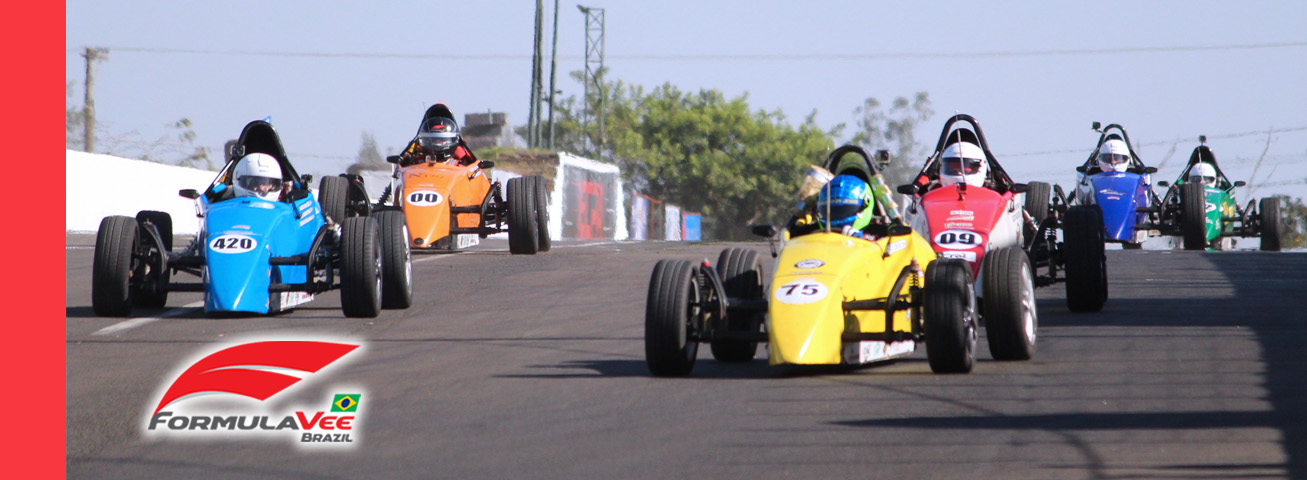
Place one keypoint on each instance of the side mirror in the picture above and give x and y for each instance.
(1150, 170)
(765, 231)
(307, 179)
(1163, 183)
(908, 189)
(189, 193)
(882, 158)
(1240, 183)
(1081, 168)
(1097, 126)
(486, 164)
(392, 159)
(296, 195)
(1020, 188)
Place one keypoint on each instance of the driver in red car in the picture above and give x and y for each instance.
(438, 140)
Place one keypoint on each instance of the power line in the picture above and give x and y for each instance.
(769, 57)
(1154, 144)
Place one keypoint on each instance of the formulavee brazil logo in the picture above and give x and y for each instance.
(255, 370)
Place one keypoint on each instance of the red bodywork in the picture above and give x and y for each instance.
(961, 219)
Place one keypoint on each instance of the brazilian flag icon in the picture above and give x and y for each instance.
(346, 402)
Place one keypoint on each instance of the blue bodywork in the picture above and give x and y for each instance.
(240, 236)
(1119, 194)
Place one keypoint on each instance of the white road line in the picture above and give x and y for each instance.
(136, 322)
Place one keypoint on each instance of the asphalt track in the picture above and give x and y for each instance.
(533, 367)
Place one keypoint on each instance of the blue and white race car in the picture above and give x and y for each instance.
(265, 245)
(1114, 179)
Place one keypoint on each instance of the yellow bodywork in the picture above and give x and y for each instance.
(819, 271)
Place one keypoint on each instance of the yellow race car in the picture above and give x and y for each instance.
(834, 299)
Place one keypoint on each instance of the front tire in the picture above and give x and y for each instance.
(741, 276)
(1086, 261)
(523, 231)
(333, 195)
(543, 242)
(111, 271)
(397, 260)
(1010, 315)
(1193, 216)
(670, 308)
(1269, 211)
(360, 277)
(949, 316)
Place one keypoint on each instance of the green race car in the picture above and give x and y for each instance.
(1200, 207)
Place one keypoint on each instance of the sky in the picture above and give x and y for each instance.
(1034, 74)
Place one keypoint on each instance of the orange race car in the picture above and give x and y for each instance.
(449, 200)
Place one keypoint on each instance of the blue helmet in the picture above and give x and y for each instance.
(845, 201)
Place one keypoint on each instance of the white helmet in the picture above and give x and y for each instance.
(1203, 173)
(963, 162)
(258, 175)
(1114, 156)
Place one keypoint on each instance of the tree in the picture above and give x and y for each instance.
(369, 152)
(894, 130)
(73, 121)
(1293, 222)
(701, 151)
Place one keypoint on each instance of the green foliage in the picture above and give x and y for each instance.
(895, 130)
(369, 152)
(1293, 222)
(702, 152)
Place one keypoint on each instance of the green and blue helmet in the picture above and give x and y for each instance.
(845, 201)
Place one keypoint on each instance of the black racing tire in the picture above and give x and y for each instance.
(741, 275)
(1009, 304)
(670, 309)
(1193, 216)
(1037, 205)
(111, 271)
(360, 267)
(1086, 260)
(1268, 209)
(396, 261)
(523, 232)
(948, 311)
(543, 242)
(158, 296)
(333, 195)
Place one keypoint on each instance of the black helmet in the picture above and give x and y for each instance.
(438, 134)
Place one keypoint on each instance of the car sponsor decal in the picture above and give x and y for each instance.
(232, 243)
(962, 225)
(968, 256)
(264, 205)
(899, 244)
(801, 291)
(809, 263)
(958, 239)
(1211, 207)
(424, 198)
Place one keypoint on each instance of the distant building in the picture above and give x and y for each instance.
(485, 130)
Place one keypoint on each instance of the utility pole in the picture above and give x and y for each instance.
(537, 82)
(88, 102)
(594, 65)
(553, 68)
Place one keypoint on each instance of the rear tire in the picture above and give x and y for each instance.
(1037, 201)
(741, 276)
(1193, 216)
(333, 194)
(111, 271)
(949, 315)
(1010, 315)
(156, 297)
(671, 306)
(543, 242)
(360, 277)
(523, 232)
(1269, 212)
(1086, 261)
(396, 262)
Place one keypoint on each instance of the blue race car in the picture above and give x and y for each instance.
(1120, 184)
(265, 245)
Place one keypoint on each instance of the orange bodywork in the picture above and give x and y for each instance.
(428, 192)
